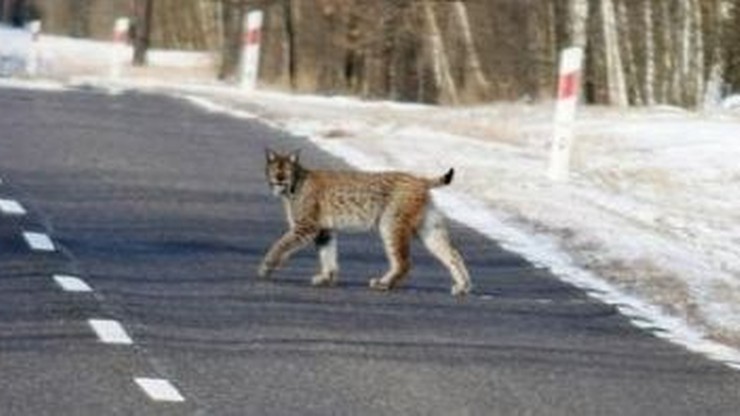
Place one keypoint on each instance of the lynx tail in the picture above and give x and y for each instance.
(443, 180)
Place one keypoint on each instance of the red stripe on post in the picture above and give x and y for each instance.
(120, 37)
(568, 85)
(252, 37)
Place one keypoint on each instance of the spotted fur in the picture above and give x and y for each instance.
(318, 203)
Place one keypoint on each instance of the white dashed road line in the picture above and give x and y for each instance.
(72, 284)
(11, 207)
(159, 389)
(38, 241)
(110, 331)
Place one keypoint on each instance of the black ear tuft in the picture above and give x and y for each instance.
(447, 179)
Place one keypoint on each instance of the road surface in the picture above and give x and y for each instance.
(162, 210)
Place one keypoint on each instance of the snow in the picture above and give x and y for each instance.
(74, 60)
(14, 50)
(648, 221)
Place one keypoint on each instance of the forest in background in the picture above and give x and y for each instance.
(638, 52)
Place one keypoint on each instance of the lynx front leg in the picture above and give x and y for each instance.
(293, 240)
(326, 242)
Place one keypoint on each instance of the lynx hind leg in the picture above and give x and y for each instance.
(396, 236)
(326, 242)
(433, 233)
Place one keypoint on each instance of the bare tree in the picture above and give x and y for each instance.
(679, 52)
(80, 24)
(143, 23)
(289, 47)
(480, 83)
(698, 56)
(578, 14)
(719, 21)
(616, 87)
(649, 60)
(440, 63)
(634, 92)
(233, 12)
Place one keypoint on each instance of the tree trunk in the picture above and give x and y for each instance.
(480, 85)
(649, 63)
(718, 21)
(634, 93)
(142, 34)
(668, 68)
(233, 13)
(683, 36)
(80, 11)
(208, 16)
(698, 57)
(578, 12)
(616, 88)
(290, 41)
(440, 64)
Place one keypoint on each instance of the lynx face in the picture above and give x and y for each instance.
(281, 171)
(320, 203)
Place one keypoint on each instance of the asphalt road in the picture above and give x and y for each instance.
(162, 209)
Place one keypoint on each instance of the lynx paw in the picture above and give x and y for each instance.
(460, 290)
(265, 271)
(379, 285)
(328, 279)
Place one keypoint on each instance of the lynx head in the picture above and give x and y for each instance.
(282, 171)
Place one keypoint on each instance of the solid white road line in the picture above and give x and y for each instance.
(159, 389)
(646, 324)
(11, 207)
(110, 331)
(72, 284)
(38, 241)
(733, 365)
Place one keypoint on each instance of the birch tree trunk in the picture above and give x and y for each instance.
(649, 63)
(472, 65)
(634, 92)
(441, 65)
(720, 18)
(668, 68)
(616, 87)
(683, 43)
(698, 63)
(578, 13)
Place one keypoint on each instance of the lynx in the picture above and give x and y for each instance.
(318, 203)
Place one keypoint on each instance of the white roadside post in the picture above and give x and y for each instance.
(251, 49)
(34, 54)
(119, 49)
(571, 61)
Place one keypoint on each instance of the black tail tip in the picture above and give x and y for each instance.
(447, 178)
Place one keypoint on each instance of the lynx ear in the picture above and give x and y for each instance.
(270, 155)
(294, 156)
